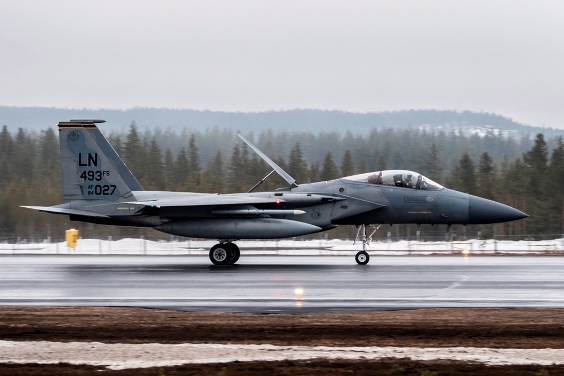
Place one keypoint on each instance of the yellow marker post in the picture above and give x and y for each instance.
(71, 236)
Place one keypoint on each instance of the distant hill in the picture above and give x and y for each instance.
(299, 120)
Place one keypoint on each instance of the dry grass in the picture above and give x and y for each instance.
(516, 328)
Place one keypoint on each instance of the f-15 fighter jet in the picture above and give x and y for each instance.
(99, 188)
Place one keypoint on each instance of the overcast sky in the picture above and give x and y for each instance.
(505, 57)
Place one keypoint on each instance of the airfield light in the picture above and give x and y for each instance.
(466, 253)
(299, 292)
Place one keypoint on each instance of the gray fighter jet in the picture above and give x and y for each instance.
(99, 188)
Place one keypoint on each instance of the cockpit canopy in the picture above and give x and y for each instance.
(397, 178)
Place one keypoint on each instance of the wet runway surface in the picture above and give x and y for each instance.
(269, 283)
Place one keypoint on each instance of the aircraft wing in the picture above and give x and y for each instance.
(229, 205)
(56, 210)
(207, 200)
(244, 205)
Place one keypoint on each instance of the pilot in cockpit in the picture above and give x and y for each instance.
(398, 180)
(375, 179)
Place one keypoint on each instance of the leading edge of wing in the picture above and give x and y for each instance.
(207, 200)
(55, 210)
(295, 199)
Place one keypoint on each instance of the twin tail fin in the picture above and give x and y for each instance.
(91, 168)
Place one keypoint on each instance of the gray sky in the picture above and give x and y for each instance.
(505, 57)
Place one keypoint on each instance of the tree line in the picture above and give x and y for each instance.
(527, 173)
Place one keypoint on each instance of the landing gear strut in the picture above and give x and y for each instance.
(224, 254)
(362, 257)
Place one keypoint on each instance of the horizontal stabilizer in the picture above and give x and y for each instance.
(87, 121)
(55, 210)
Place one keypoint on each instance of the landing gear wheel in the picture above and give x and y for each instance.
(220, 254)
(235, 253)
(362, 258)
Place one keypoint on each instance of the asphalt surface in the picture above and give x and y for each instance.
(271, 284)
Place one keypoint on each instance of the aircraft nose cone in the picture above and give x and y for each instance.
(483, 211)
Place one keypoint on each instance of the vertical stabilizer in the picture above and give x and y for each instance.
(91, 168)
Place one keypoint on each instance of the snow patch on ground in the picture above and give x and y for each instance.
(289, 247)
(124, 356)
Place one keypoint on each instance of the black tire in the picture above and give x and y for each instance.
(235, 253)
(220, 254)
(362, 258)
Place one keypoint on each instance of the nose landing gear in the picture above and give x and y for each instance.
(224, 254)
(362, 257)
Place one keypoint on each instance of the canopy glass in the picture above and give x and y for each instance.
(397, 178)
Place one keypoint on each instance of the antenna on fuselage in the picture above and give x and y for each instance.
(272, 164)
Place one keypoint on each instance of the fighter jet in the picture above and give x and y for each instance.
(99, 188)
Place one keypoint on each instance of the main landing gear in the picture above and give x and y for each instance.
(224, 254)
(362, 257)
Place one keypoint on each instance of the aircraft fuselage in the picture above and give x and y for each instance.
(323, 204)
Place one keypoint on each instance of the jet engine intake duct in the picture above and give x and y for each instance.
(244, 228)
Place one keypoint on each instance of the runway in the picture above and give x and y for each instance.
(268, 284)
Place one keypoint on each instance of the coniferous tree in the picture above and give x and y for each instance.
(133, 152)
(314, 171)
(329, 169)
(115, 141)
(514, 192)
(6, 157)
(7, 220)
(155, 180)
(214, 178)
(181, 171)
(382, 164)
(297, 166)
(347, 165)
(168, 170)
(537, 196)
(236, 171)
(193, 164)
(434, 165)
(556, 186)
(486, 172)
(49, 154)
(24, 156)
(536, 160)
(363, 167)
(464, 176)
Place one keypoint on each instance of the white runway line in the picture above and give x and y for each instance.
(124, 356)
